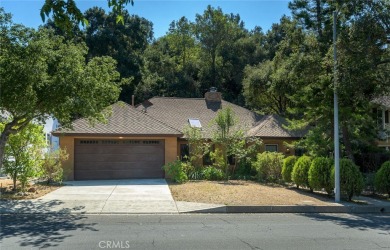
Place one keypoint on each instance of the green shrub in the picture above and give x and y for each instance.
(269, 166)
(176, 171)
(212, 174)
(244, 170)
(382, 178)
(300, 173)
(319, 174)
(351, 179)
(288, 165)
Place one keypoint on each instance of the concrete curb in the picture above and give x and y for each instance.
(236, 209)
(307, 209)
(292, 209)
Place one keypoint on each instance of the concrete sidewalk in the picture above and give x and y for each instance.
(154, 197)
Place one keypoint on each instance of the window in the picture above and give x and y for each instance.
(184, 152)
(194, 123)
(151, 142)
(89, 142)
(207, 159)
(111, 142)
(299, 151)
(131, 142)
(232, 159)
(271, 147)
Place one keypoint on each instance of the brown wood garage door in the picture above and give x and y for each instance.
(97, 159)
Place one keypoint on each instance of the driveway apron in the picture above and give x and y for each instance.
(113, 196)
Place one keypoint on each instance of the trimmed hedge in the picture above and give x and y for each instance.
(382, 178)
(351, 179)
(319, 174)
(300, 171)
(269, 166)
(287, 168)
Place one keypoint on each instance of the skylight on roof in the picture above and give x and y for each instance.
(194, 123)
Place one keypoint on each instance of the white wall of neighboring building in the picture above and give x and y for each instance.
(55, 141)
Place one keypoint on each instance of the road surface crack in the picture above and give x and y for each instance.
(249, 245)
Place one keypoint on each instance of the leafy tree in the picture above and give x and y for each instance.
(198, 147)
(270, 85)
(43, 75)
(124, 42)
(52, 165)
(211, 29)
(362, 58)
(67, 15)
(229, 139)
(23, 153)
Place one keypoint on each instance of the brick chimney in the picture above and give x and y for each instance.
(213, 95)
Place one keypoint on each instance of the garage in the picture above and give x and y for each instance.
(104, 159)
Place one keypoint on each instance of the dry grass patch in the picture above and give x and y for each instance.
(244, 193)
(36, 190)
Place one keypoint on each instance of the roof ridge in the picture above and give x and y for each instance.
(173, 97)
(157, 120)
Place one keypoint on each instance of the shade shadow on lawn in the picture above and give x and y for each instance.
(41, 229)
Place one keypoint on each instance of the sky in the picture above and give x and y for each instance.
(161, 13)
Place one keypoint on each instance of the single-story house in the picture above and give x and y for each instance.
(136, 141)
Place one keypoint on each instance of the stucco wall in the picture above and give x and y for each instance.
(68, 143)
(282, 148)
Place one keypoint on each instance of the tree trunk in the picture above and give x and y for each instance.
(347, 143)
(319, 18)
(3, 140)
(14, 181)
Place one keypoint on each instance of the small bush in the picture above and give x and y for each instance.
(319, 174)
(300, 173)
(382, 178)
(212, 174)
(288, 165)
(244, 170)
(175, 170)
(351, 179)
(52, 165)
(269, 166)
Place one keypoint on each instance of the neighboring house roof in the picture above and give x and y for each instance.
(273, 126)
(176, 111)
(382, 100)
(124, 120)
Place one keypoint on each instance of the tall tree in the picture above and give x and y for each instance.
(125, 43)
(211, 30)
(362, 58)
(43, 75)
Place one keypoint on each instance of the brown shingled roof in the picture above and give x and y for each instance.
(124, 120)
(176, 111)
(273, 126)
(382, 100)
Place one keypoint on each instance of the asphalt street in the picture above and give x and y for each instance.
(195, 231)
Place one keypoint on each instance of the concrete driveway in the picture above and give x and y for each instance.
(113, 196)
